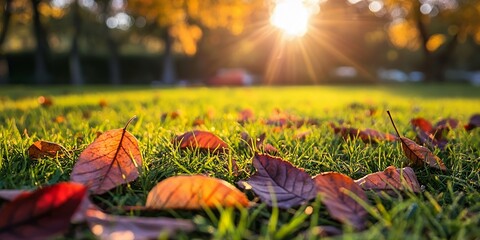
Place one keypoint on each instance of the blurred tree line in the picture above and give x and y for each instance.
(140, 41)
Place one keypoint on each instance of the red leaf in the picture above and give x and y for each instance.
(367, 135)
(111, 160)
(107, 226)
(419, 155)
(332, 188)
(42, 149)
(421, 123)
(430, 140)
(474, 122)
(390, 180)
(449, 123)
(202, 140)
(280, 180)
(42, 213)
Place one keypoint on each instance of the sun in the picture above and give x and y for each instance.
(291, 16)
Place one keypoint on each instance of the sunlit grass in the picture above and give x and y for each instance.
(456, 192)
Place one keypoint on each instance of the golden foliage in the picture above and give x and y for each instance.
(402, 34)
(435, 41)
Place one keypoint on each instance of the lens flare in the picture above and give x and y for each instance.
(291, 16)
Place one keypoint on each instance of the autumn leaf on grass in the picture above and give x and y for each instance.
(246, 115)
(194, 192)
(107, 226)
(42, 213)
(202, 140)
(430, 135)
(279, 183)
(391, 180)
(429, 140)
(474, 122)
(111, 160)
(333, 189)
(418, 155)
(45, 101)
(42, 149)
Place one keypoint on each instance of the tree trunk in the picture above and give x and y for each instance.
(168, 73)
(76, 76)
(428, 58)
(41, 52)
(3, 60)
(113, 62)
(444, 58)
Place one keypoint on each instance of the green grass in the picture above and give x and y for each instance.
(449, 208)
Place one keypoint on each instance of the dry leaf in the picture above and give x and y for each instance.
(277, 181)
(194, 192)
(113, 227)
(42, 213)
(258, 144)
(419, 155)
(391, 180)
(332, 188)
(474, 122)
(42, 149)
(202, 140)
(367, 135)
(111, 160)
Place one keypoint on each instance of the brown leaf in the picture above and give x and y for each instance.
(367, 135)
(430, 140)
(194, 192)
(258, 144)
(246, 115)
(419, 155)
(391, 180)
(42, 213)
(474, 122)
(111, 160)
(107, 226)
(45, 101)
(277, 180)
(332, 187)
(202, 140)
(103, 103)
(42, 149)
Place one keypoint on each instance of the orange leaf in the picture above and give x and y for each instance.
(194, 192)
(45, 101)
(390, 180)
(111, 160)
(202, 140)
(42, 213)
(419, 155)
(42, 149)
(332, 187)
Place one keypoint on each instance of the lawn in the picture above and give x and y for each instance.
(447, 208)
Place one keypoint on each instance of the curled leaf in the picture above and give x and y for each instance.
(111, 160)
(194, 192)
(333, 189)
(107, 226)
(277, 181)
(390, 180)
(474, 122)
(42, 149)
(42, 213)
(419, 155)
(201, 140)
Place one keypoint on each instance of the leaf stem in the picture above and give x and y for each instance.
(129, 121)
(393, 123)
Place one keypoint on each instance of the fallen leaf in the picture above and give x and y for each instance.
(391, 180)
(474, 122)
(102, 103)
(418, 155)
(194, 192)
(367, 135)
(449, 123)
(430, 140)
(258, 144)
(422, 124)
(302, 135)
(10, 194)
(246, 115)
(45, 101)
(332, 187)
(198, 122)
(279, 183)
(42, 149)
(42, 213)
(172, 115)
(202, 140)
(112, 227)
(111, 160)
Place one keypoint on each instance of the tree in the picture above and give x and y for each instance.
(7, 13)
(181, 23)
(437, 27)
(42, 50)
(76, 75)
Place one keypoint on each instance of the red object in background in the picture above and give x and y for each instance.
(231, 77)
